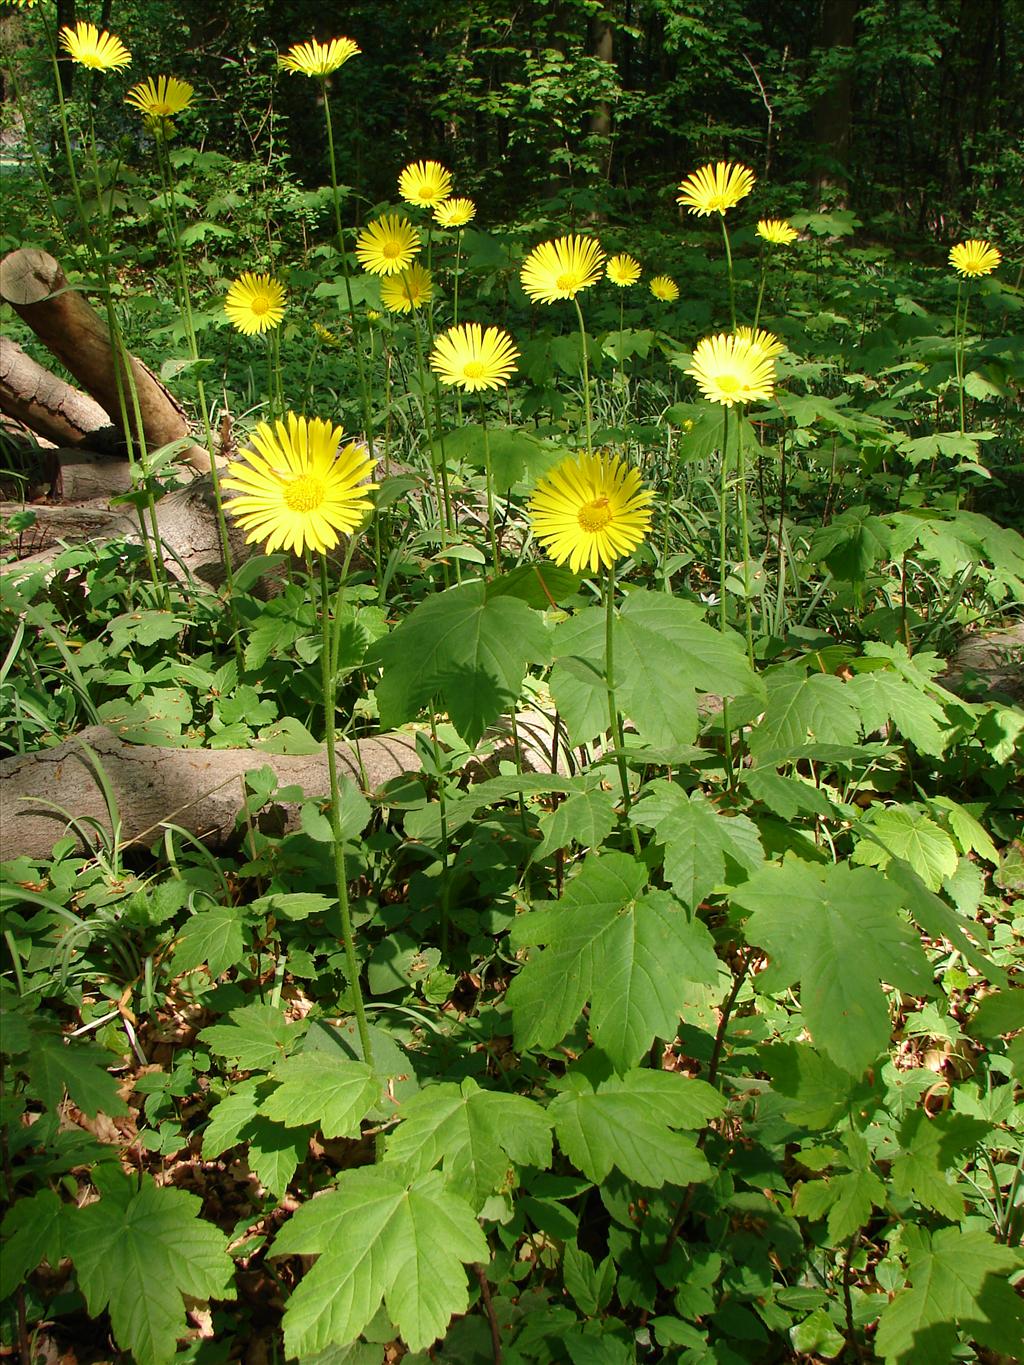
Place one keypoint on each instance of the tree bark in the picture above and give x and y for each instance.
(832, 114)
(33, 283)
(602, 46)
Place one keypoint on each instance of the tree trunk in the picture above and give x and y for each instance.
(832, 114)
(34, 285)
(602, 46)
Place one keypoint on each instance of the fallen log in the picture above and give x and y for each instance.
(186, 519)
(49, 406)
(35, 286)
(200, 790)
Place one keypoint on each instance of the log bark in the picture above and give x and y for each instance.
(49, 406)
(200, 790)
(33, 283)
(186, 519)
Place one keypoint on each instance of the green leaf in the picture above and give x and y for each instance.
(838, 930)
(906, 832)
(925, 1167)
(213, 937)
(231, 1116)
(258, 1037)
(317, 1087)
(468, 650)
(538, 584)
(800, 708)
(665, 652)
(936, 918)
(629, 954)
(628, 1123)
(883, 696)
(379, 1238)
(586, 818)
(32, 1232)
(275, 1153)
(137, 1256)
(701, 846)
(76, 1066)
(959, 1287)
(851, 545)
(473, 1133)
(589, 1284)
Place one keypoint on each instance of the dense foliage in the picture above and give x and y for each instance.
(667, 1008)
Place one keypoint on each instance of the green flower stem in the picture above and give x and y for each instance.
(271, 388)
(723, 549)
(167, 175)
(443, 810)
(124, 379)
(673, 475)
(614, 719)
(760, 289)
(586, 377)
(458, 263)
(960, 335)
(732, 278)
(741, 475)
(490, 487)
(445, 522)
(356, 335)
(341, 880)
(622, 349)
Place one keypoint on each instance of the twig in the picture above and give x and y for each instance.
(771, 114)
(485, 1298)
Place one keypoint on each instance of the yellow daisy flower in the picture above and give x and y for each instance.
(87, 46)
(715, 189)
(255, 303)
(387, 245)
(325, 336)
(426, 183)
(974, 258)
(161, 98)
(665, 288)
(761, 342)
(411, 289)
(560, 269)
(473, 358)
(296, 488)
(728, 371)
(318, 59)
(623, 270)
(777, 231)
(590, 510)
(455, 213)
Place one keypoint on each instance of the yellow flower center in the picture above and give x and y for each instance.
(594, 516)
(304, 494)
(390, 250)
(260, 304)
(473, 369)
(568, 283)
(728, 383)
(426, 192)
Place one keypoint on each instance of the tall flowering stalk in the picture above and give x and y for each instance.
(160, 101)
(717, 189)
(100, 51)
(299, 487)
(971, 260)
(589, 512)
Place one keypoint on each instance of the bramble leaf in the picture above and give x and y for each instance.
(79, 1067)
(213, 937)
(32, 1232)
(379, 1238)
(137, 1253)
(630, 954)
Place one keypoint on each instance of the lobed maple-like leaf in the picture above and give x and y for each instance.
(379, 1238)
